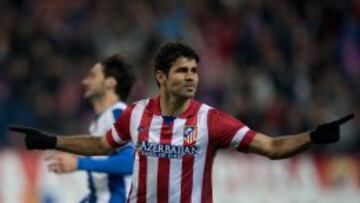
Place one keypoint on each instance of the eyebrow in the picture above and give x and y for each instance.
(182, 67)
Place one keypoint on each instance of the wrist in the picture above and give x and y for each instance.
(82, 162)
(313, 137)
(49, 142)
(325, 134)
(76, 162)
(40, 141)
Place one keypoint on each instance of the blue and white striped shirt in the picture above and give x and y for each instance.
(109, 177)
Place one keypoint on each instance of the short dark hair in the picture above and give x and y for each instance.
(169, 52)
(115, 66)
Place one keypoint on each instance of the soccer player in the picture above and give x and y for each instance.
(177, 137)
(107, 85)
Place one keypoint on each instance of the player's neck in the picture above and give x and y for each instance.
(101, 104)
(173, 106)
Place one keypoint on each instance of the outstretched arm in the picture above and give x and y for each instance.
(82, 145)
(120, 162)
(279, 148)
(286, 146)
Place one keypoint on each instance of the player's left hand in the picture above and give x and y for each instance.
(62, 162)
(329, 132)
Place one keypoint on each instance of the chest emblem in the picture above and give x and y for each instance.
(190, 135)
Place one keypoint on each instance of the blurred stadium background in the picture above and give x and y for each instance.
(280, 66)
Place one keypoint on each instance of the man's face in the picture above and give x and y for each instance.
(94, 82)
(183, 78)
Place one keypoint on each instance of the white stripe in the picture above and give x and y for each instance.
(200, 159)
(135, 119)
(101, 182)
(153, 162)
(127, 182)
(239, 135)
(135, 179)
(176, 164)
(115, 135)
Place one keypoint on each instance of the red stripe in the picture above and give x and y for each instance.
(143, 136)
(122, 124)
(249, 136)
(191, 110)
(206, 193)
(187, 167)
(164, 165)
(110, 140)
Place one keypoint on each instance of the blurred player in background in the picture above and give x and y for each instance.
(107, 85)
(177, 137)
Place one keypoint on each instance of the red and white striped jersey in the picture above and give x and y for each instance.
(174, 159)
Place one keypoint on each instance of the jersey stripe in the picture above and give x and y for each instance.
(164, 164)
(115, 135)
(152, 162)
(199, 162)
(136, 117)
(116, 113)
(207, 181)
(249, 136)
(92, 196)
(176, 164)
(127, 181)
(122, 125)
(188, 162)
(143, 135)
(239, 135)
(135, 180)
(110, 139)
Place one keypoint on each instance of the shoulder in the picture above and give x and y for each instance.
(115, 111)
(142, 103)
(133, 110)
(203, 108)
(119, 105)
(217, 113)
(222, 119)
(138, 106)
(199, 108)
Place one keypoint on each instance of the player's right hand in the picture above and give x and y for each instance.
(62, 162)
(35, 138)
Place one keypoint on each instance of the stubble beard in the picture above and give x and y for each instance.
(94, 96)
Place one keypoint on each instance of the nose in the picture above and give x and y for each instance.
(84, 81)
(189, 76)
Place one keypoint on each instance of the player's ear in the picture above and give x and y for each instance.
(160, 77)
(110, 82)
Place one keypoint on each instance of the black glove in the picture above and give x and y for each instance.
(35, 138)
(329, 132)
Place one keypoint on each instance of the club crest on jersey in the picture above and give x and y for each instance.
(190, 134)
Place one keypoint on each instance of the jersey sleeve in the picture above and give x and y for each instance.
(227, 131)
(120, 131)
(120, 162)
